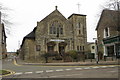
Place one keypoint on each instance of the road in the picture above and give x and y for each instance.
(27, 71)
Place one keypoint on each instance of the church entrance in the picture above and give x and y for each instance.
(50, 46)
(62, 46)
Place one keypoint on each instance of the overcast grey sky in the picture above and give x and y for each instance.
(26, 13)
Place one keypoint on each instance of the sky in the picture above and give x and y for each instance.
(25, 14)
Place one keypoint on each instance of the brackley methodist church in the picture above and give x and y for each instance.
(55, 34)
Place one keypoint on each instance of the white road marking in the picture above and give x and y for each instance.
(96, 67)
(59, 70)
(39, 72)
(87, 68)
(28, 72)
(49, 70)
(78, 68)
(18, 73)
(68, 69)
(65, 75)
(111, 66)
(103, 66)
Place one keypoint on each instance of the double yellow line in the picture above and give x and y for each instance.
(15, 63)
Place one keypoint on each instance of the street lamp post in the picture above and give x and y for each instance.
(97, 57)
(96, 50)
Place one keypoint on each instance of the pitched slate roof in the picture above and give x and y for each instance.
(56, 11)
(108, 17)
(31, 35)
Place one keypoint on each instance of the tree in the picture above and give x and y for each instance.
(5, 17)
(114, 5)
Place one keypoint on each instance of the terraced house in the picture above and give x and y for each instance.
(108, 32)
(55, 34)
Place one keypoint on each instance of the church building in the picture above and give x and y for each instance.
(55, 34)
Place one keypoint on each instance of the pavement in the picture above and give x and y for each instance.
(86, 63)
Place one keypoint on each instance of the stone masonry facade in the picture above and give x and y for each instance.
(55, 33)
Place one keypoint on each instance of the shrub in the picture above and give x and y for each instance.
(73, 54)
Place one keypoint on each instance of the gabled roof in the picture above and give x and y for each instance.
(31, 35)
(108, 17)
(54, 12)
(76, 15)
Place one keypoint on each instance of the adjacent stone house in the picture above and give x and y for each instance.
(55, 34)
(108, 33)
(91, 49)
(3, 37)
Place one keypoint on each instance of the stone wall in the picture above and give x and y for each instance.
(79, 31)
(28, 50)
(42, 32)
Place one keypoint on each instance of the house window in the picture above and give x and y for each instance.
(83, 48)
(106, 32)
(79, 25)
(56, 28)
(79, 32)
(78, 48)
(51, 30)
(93, 47)
(37, 47)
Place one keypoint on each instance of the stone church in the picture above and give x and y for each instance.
(55, 33)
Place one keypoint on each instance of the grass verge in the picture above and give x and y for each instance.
(4, 72)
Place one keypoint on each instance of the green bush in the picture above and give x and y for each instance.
(73, 54)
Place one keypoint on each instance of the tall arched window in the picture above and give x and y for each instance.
(56, 28)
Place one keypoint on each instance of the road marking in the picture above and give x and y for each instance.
(111, 66)
(65, 75)
(49, 70)
(39, 72)
(78, 68)
(28, 72)
(87, 68)
(68, 69)
(95, 67)
(59, 70)
(18, 73)
(103, 66)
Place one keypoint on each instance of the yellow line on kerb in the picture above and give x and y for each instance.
(11, 72)
(15, 63)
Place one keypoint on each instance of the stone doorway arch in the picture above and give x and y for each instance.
(62, 46)
(50, 46)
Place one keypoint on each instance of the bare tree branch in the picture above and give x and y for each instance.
(4, 11)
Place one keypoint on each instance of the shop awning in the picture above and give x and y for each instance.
(115, 39)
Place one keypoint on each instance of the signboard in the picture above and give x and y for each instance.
(57, 40)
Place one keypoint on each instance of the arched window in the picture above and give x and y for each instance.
(56, 28)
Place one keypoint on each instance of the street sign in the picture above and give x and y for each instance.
(57, 40)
